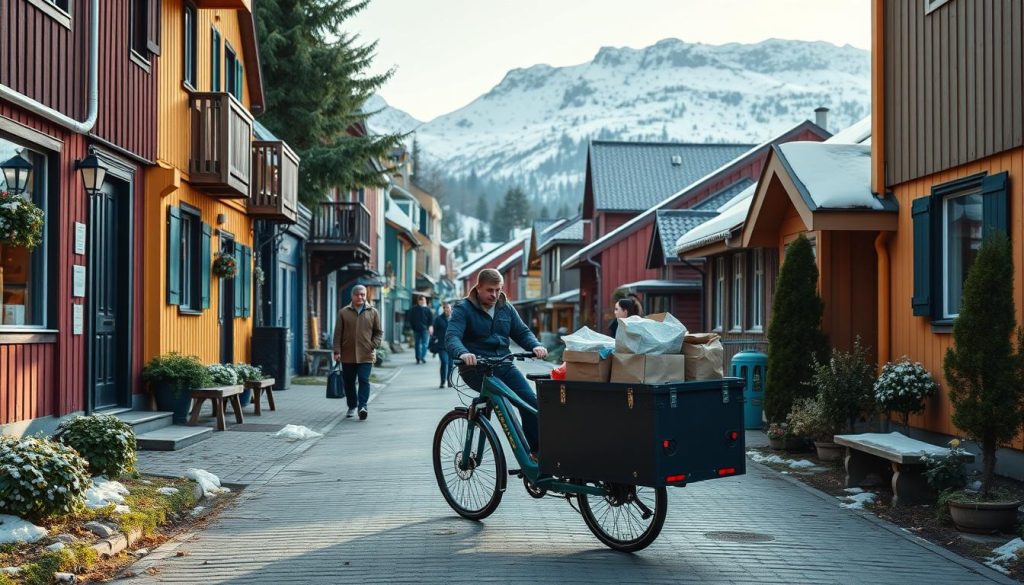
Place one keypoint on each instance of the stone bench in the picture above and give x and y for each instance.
(257, 387)
(892, 454)
(220, 396)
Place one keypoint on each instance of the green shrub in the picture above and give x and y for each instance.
(180, 371)
(71, 559)
(40, 477)
(902, 387)
(946, 472)
(807, 419)
(106, 442)
(844, 386)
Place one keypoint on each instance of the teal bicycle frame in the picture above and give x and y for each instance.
(494, 394)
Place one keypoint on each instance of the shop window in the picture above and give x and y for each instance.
(23, 271)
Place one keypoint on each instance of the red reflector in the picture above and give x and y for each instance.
(726, 471)
(675, 478)
(665, 443)
(733, 435)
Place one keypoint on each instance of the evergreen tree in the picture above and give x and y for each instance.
(450, 228)
(483, 233)
(795, 334)
(483, 210)
(982, 368)
(543, 213)
(513, 213)
(563, 211)
(316, 85)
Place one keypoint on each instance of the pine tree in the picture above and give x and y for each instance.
(982, 368)
(513, 213)
(316, 86)
(563, 211)
(483, 210)
(795, 334)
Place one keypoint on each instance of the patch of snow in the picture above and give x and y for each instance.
(13, 571)
(857, 501)
(836, 176)
(104, 492)
(854, 490)
(730, 216)
(14, 529)
(898, 442)
(297, 433)
(121, 509)
(1005, 554)
(56, 546)
(167, 491)
(792, 463)
(208, 482)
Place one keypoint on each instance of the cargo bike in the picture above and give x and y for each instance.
(614, 448)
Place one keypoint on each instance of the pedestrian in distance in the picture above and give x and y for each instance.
(482, 324)
(357, 333)
(438, 344)
(421, 321)
(624, 307)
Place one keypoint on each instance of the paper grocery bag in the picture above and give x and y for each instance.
(704, 356)
(641, 368)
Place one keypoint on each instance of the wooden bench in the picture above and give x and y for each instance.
(219, 396)
(892, 454)
(257, 387)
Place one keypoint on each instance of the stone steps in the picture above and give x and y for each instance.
(154, 430)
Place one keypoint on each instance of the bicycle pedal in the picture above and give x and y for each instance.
(517, 472)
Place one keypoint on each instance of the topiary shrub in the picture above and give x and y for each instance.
(903, 386)
(40, 477)
(795, 334)
(106, 442)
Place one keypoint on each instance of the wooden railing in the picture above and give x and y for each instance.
(221, 155)
(275, 181)
(341, 225)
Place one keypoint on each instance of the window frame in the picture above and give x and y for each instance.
(718, 295)
(215, 62)
(137, 30)
(190, 47)
(945, 281)
(737, 291)
(757, 290)
(190, 261)
(59, 13)
(232, 84)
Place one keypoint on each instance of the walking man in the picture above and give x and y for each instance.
(421, 320)
(437, 342)
(482, 325)
(357, 333)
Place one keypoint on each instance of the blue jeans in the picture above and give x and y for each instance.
(422, 341)
(518, 384)
(446, 365)
(349, 373)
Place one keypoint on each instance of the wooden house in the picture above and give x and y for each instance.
(558, 303)
(493, 258)
(76, 78)
(400, 251)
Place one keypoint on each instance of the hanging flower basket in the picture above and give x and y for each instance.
(224, 266)
(21, 222)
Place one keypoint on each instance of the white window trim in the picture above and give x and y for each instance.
(933, 5)
(945, 250)
(758, 292)
(736, 298)
(718, 299)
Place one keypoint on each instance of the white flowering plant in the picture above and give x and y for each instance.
(223, 374)
(778, 431)
(106, 442)
(902, 387)
(21, 222)
(248, 372)
(40, 477)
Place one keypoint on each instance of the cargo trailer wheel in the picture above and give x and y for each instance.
(628, 518)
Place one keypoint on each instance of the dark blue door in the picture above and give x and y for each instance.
(107, 289)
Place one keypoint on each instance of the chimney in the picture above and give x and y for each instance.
(821, 117)
(677, 160)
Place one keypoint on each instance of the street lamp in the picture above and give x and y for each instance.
(92, 172)
(16, 174)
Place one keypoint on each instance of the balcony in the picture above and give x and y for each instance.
(275, 182)
(340, 227)
(221, 155)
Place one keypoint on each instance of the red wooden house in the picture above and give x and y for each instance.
(494, 258)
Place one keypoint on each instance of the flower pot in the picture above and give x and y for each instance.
(829, 451)
(984, 517)
(169, 397)
(777, 444)
(246, 397)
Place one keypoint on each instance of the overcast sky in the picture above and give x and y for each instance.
(447, 53)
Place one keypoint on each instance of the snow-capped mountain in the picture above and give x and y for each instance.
(534, 126)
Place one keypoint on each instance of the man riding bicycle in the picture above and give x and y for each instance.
(482, 325)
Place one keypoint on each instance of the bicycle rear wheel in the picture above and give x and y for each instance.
(473, 490)
(628, 518)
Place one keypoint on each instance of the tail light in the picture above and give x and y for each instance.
(725, 471)
(676, 478)
(732, 436)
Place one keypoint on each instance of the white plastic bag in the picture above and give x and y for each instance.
(209, 482)
(652, 335)
(297, 433)
(586, 339)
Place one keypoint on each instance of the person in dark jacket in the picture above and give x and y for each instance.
(483, 324)
(437, 342)
(623, 308)
(421, 320)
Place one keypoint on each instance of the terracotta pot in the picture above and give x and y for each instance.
(829, 451)
(777, 444)
(984, 517)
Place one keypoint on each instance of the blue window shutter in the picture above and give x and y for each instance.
(238, 280)
(238, 80)
(995, 204)
(246, 280)
(205, 267)
(173, 256)
(921, 214)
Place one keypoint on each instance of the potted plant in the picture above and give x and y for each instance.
(984, 369)
(808, 419)
(902, 387)
(21, 226)
(247, 373)
(777, 433)
(844, 393)
(171, 378)
(225, 266)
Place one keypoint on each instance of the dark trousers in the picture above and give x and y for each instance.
(446, 365)
(349, 373)
(422, 341)
(518, 384)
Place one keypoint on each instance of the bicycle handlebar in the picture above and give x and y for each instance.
(494, 361)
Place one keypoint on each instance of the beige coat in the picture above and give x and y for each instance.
(357, 334)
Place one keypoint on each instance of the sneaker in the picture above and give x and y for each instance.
(351, 413)
(362, 413)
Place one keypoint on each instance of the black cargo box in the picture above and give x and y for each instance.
(643, 434)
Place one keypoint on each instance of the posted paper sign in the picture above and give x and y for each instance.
(79, 238)
(76, 319)
(78, 281)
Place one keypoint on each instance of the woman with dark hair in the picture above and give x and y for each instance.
(623, 308)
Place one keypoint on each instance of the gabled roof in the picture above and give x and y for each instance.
(633, 176)
(668, 226)
(514, 258)
(567, 232)
(482, 260)
(542, 229)
(724, 196)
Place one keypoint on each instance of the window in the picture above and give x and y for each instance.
(214, 60)
(949, 226)
(23, 282)
(144, 27)
(718, 301)
(737, 292)
(64, 5)
(932, 5)
(757, 291)
(188, 259)
(189, 56)
(232, 72)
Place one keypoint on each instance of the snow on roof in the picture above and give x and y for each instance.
(834, 176)
(730, 216)
(395, 215)
(518, 256)
(478, 262)
(856, 133)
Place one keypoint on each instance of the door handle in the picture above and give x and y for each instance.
(108, 321)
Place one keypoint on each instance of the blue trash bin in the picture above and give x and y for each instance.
(751, 367)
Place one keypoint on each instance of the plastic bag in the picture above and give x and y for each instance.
(558, 373)
(586, 339)
(652, 335)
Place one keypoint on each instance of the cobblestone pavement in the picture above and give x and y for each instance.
(361, 506)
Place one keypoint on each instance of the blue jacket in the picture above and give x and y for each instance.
(472, 330)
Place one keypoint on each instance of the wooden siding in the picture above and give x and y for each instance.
(913, 336)
(27, 382)
(848, 286)
(953, 84)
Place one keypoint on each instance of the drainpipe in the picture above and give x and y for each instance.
(597, 273)
(49, 113)
(882, 251)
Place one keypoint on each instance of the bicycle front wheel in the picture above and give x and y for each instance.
(628, 518)
(472, 486)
